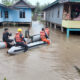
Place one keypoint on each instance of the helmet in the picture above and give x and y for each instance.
(19, 30)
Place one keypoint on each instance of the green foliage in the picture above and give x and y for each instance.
(5, 78)
(39, 7)
(7, 2)
(10, 2)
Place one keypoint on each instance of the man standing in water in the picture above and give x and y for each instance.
(27, 35)
(6, 39)
(20, 41)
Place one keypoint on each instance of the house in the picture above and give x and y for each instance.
(65, 13)
(19, 13)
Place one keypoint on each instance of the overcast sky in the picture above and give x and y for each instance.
(42, 2)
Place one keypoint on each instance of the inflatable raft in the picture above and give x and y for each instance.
(3, 45)
(31, 39)
(17, 49)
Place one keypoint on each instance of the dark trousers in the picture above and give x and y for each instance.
(23, 45)
(8, 41)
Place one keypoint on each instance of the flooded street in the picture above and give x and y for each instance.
(54, 62)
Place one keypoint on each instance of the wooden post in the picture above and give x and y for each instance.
(54, 26)
(31, 24)
(62, 29)
(50, 25)
(46, 23)
(68, 32)
(3, 24)
(14, 24)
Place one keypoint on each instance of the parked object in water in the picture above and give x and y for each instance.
(17, 49)
(3, 45)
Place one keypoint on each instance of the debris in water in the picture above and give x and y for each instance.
(78, 69)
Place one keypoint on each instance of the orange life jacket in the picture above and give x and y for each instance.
(42, 34)
(17, 37)
(47, 31)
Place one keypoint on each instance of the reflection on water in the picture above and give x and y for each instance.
(54, 62)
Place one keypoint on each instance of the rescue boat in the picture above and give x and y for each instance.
(33, 38)
(18, 49)
(3, 45)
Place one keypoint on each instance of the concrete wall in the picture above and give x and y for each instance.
(52, 14)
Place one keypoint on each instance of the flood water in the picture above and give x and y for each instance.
(54, 62)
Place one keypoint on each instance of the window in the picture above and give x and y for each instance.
(22, 14)
(75, 12)
(58, 13)
(6, 14)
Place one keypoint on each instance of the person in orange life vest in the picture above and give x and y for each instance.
(43, 36)
(47, 31)
(20, 41)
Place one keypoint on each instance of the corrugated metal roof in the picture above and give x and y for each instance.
(63, 1)
(22, 3)
(18, 5)
(58, 2)
(74, 0)
(3, 5)
(50, 5)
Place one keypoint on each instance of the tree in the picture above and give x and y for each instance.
(7, 2)
(37, 9)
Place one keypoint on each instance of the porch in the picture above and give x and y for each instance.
(71, 17)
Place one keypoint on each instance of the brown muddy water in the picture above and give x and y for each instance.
(54, 62)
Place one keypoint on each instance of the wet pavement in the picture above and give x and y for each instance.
(54, 62)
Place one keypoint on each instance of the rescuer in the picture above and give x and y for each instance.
(20, 41)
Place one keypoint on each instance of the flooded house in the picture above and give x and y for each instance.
(64, 13)
(19, 13)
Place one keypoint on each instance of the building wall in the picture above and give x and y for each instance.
(52, 14)
(14, 15)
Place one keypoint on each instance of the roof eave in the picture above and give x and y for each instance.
(50, 5)
(27, 5)
(57, 2)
